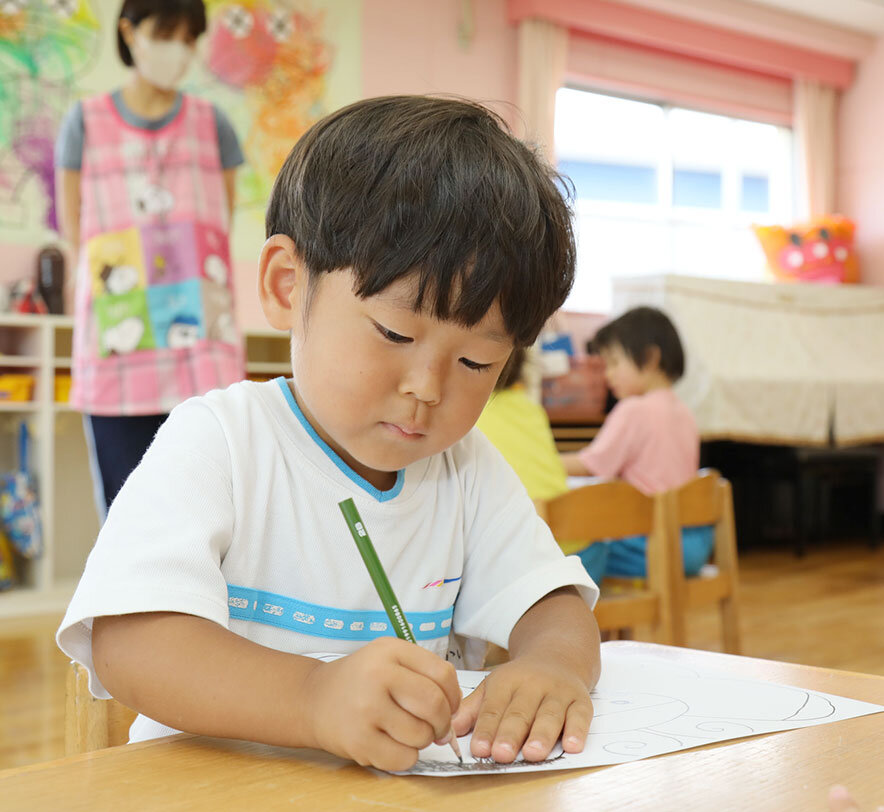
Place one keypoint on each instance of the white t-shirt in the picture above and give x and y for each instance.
(233, 516)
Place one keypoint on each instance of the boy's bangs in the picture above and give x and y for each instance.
(465, 257)
(460, 289)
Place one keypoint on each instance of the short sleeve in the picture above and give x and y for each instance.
(165, 536)
(69, 142)
(228, 143)
(512, 560)
(615, 444)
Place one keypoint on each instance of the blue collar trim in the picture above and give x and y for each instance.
(371, 490)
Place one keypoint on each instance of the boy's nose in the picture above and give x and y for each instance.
(423, 383)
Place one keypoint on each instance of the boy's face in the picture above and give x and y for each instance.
(385, 386)
(624, 377)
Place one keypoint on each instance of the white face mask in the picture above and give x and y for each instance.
(162, 62)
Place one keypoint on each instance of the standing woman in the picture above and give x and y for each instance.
(145, 187)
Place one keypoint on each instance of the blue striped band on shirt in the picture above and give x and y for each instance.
(257, 606)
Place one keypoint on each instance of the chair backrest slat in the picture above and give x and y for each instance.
(700, 500)
(90, 723)
(603, 510)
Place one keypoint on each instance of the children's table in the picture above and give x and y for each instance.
(780, 771)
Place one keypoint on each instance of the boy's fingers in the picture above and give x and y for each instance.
(577, 720)
(468, 711)
(490, 714)
(434, 668)
(385, 753)
(514, 725)
(545, 731)
(423, 699)
(407, 729)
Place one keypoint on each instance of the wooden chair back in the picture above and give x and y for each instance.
(707, 500)
(90, 723)
(614, 509)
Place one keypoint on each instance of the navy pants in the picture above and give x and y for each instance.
(116, 446)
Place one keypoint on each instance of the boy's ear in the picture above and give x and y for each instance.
(282, 280)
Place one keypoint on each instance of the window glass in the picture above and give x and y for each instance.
(664, 189)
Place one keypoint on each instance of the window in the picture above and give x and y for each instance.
(665, 189)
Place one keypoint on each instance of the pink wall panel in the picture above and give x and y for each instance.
(860, 191)
(412, 47)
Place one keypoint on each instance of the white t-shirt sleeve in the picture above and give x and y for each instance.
(165, 536)
(511, 560)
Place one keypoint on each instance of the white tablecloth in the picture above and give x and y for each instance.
(783, 363)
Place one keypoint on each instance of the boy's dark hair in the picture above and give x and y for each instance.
(168, 13)
(438, 187)
(511, 373)
(638, 330)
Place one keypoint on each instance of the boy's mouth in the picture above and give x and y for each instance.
(408, 432)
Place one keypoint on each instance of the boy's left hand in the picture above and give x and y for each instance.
(526, 704)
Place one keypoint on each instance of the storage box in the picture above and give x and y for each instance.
(62, 388)
(580, 395)
(16, 387)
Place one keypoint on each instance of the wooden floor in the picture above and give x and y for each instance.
(826, 609)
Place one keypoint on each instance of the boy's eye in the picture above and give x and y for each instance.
(475, 366)
(391, 336)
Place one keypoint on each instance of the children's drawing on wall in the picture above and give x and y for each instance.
(277, 59)
(273, 66)
(46, 49)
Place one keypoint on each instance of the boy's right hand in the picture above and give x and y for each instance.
(380, 705)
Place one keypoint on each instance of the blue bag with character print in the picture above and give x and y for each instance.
(19, 509)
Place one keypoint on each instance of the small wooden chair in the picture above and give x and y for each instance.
(706, 500)
(614, 509)
(90, 723)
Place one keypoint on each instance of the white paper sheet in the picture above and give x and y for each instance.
(647, 706)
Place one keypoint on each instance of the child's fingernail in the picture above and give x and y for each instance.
(573, 741)
(506, 746)
(535, 745)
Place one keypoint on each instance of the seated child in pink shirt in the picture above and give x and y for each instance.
(650, 438)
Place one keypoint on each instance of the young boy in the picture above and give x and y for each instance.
(412, 245)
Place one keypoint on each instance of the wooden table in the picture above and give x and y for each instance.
(791, 770)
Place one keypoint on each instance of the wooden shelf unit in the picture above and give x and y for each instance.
(59, 459)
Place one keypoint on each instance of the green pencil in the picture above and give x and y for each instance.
(382, 584)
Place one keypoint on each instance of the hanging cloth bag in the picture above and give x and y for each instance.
(19, 508)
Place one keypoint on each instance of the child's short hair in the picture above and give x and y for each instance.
(511, 374)
(169, 14)
(638, 330)
(438, 187)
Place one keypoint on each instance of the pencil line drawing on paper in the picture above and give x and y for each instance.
(649, 708)
(484, 765)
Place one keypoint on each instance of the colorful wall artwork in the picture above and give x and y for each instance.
(273, 66)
